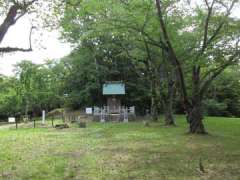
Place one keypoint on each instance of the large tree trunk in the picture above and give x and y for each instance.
(169, 119)
(196, 119)
(154, 111)
(195, 116)
(168, 102)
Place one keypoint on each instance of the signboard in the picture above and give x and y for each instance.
(11, 119)
(88, 110)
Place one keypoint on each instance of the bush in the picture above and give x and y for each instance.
(215, 108)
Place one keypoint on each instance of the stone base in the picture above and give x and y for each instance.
(114, 118)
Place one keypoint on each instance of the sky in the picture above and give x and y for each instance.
(18, 36)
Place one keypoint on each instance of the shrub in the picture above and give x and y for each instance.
(215, 108)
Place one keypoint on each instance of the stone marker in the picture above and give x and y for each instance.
(102, 120)
(43, 117)
(125, 115)
(61, 126)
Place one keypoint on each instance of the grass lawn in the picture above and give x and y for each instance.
(115, 151)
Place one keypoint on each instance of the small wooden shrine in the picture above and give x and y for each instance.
(113, 92)
(113, 110)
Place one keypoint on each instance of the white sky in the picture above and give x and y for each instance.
(18, 36)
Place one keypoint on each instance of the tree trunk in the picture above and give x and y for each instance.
(168, 102)
(196, 119)
(169, 119)
(195, 116)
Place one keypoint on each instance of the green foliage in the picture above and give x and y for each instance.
(34, 88)
(8, 97)
(91, 65)
(215, 108)
(224, 95)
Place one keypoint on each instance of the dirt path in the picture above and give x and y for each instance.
(7, 126)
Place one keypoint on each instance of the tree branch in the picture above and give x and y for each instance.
(205, 36)
(8, 21)
(233, 59)
(13, 15)
(218, 29)
(14, 49)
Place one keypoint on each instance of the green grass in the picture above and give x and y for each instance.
(122, 151)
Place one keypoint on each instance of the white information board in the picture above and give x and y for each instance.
(11, 119)
(88, 110)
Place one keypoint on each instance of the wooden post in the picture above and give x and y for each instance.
(16, 123)
(34, 122)
(52, 121)
(62, 116)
